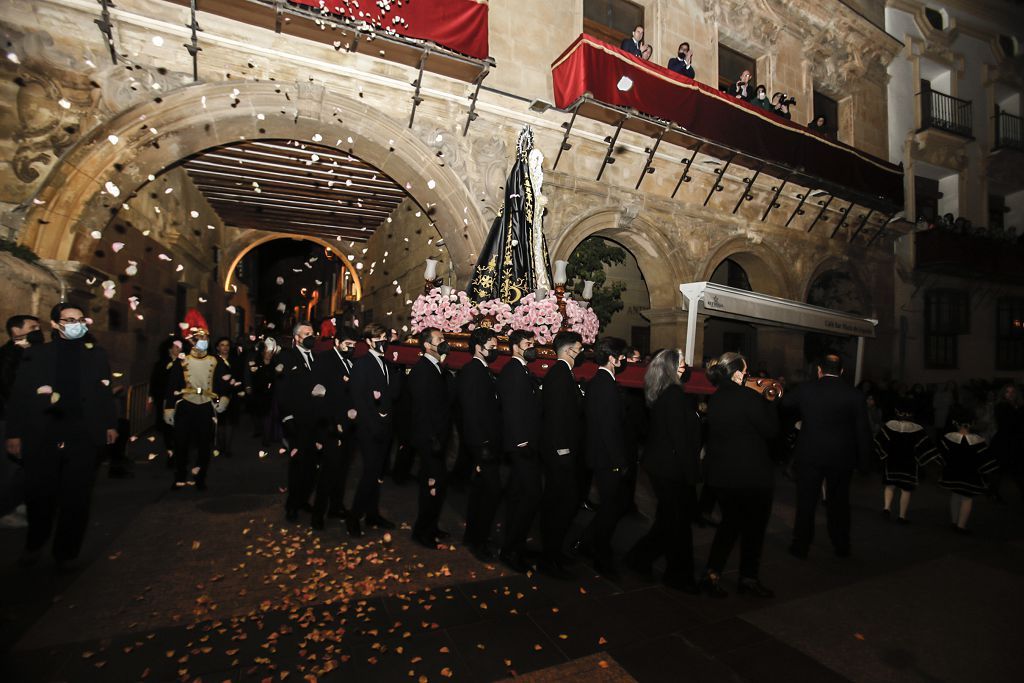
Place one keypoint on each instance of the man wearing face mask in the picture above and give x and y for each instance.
(374, 385)
(520, 429)
(61, 414)
(300, 393)
(335, 369)
(24, 332)
(481, 432)
(560, 441)
(430, 427)
(683, 64)
(606, 451)
(198, 388)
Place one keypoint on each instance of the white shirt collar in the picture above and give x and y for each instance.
(610, 372)
(521, 360)
(567, 363)
(436, 362)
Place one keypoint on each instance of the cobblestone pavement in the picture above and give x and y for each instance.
(216, 586)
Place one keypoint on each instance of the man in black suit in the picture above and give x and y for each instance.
(300, 399)
(481, 431)
(683, 64)
(606, 450)
(428, 434)
(334, 367)
(60, 416)
(561, 435)
(634, 45)
(520, 429)
(375, 385)
(834, 439)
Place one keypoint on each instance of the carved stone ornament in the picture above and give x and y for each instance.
(751, 21)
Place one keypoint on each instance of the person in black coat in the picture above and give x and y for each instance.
(24, 332)
(672, 461)
(683, 64)
(300, 398)
(481, 431)
(374, 388)
(740, 469)
(560, 449)
(334, 367)
(521, 413)
(158, 378)
(634, 44)
(60, 417)
(607, 453)
(430, 427)
(834, 439)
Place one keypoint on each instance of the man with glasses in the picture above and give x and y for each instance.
(60, 417)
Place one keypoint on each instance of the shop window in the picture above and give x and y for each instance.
(1010, 333)
(946, 316)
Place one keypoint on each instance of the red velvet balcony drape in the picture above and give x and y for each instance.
(591, 65)
(460, 25)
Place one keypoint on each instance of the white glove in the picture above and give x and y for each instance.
(221, 405)
(319, 390)
(169, 416)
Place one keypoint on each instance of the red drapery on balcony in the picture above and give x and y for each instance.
(459, 25)
(592, 66)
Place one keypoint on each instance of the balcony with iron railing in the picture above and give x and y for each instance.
(945, 112)
(1009, 131)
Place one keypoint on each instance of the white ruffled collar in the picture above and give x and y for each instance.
(903, 426)
(972, 439)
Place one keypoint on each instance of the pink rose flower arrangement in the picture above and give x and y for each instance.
(540, 317)
(496, 309)
(447, 313)
(581, 320)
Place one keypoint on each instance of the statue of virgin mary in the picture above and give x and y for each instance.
(514, 259)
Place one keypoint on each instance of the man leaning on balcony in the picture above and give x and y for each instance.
(683, 64)
(634, 44)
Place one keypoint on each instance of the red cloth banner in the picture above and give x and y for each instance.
(591, 65)
(459, 25)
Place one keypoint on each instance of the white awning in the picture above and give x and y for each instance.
(720, 301)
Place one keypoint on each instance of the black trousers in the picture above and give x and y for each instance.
(329, 490)
(433, 487)
(558, 502)
(522, 497)
(611, 487)
(194, 425)
(484, 498)
(671, 534)
(60, 471)
(837, 505)
(374, 451)
(706, 502)
(302, 437)
(745, 514)
(401, 470)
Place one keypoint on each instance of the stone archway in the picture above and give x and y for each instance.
(248, 240)
(836, 283)
(117, 158)
(765, 268)
(834, 264)
(653, 252)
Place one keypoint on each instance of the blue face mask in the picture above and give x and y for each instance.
(202, 344)
(75, 330)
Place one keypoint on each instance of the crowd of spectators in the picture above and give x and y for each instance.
(963, 226)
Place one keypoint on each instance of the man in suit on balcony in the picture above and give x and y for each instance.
(634, 45)
(683, 64)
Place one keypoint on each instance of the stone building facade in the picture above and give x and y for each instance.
(91, 146)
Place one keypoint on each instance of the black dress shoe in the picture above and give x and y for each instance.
(379, 522)
(514, 561)
(581, 549)
(339, 513)
(425, 541)
(638, 566)
(317, 522)
(902, 520)
(711, 584)
(481, 552)
(681, 583)
(353, 527)
(755, 588)
(291, 514)
(608, 570)
(555, 569)
(441, 534)
(588, 504)
(886, 515)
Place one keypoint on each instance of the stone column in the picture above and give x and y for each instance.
(668, 329)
